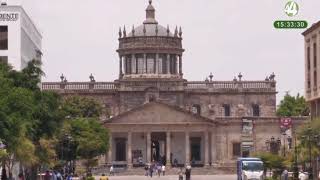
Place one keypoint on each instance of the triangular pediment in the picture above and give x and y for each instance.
(158, 113)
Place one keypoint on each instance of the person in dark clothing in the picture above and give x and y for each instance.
(4, 174)
(188, 173)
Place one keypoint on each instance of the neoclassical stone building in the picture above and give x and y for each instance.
(157, 115)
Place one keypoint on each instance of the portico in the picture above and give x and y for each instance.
(180, 139)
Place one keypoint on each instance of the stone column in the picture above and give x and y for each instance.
(213, 148)
(180, 65)
(133, 64)
(157, 64)
(187, 148)
(120, 67)
(145, 69)
(206, 148)
(168, 64)
(149, 147)
(129, 150)
(168, 151)
(110, 149)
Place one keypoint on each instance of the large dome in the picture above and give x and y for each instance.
(150, 30)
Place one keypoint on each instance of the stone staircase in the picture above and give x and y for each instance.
(169, 171)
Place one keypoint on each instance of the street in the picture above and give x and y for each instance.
(200, 177)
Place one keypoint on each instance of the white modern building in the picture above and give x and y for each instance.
(20, 40)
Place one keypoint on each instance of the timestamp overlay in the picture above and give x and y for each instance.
(291, 9)
(290, 24)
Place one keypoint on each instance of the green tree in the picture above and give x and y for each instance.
(293, 106)
(28, 116)
(272, 162)
(89, 135)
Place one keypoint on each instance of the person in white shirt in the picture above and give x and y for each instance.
(163, 169)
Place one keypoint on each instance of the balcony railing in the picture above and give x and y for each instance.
(189, 86)
(79, 85)
(231, 85)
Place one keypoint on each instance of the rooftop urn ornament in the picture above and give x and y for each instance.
(133, 31)
(124, 31)
(176, 32)
(62, 77)
(180, 32)
(168, 30)
(91, 77)
(272, 76)
(240, 76)
(211, 77)
(267, 78)
(120, 33)
(235, 79)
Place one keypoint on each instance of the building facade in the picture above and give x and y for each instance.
(20, 40)
(157, 115)
(312, 68)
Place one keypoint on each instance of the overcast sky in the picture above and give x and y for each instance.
(222, 37)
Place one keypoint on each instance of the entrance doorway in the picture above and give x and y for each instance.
(158, 147)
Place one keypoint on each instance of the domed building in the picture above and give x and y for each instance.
(157, 116)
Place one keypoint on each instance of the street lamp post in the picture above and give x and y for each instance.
(308, 138)
(284, 144)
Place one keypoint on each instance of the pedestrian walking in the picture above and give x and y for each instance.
(188, 172)
(181, 174)
(111, 171)
(163, 169)
(54, 175)
(159, 170)
(285, 174)
(146, 168)
(59, 176)
(151, 170)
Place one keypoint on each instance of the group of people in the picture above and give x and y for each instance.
(187, 173)
(156, 168)
(56, 175)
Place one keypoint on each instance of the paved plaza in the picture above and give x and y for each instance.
(200, 177)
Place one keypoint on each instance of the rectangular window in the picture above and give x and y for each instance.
(140, 64)
(160, 65)
(226, 108)
(255, 110)
(4, 59)
(150, 63)
(134, 68)
(236, 149)
(308, 58)
(128, 64)
(3, 37)
(173, 64)
(164, 64)
(315, 55)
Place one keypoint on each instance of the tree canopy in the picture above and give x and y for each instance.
(293, 106)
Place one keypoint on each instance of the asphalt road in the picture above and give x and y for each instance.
(201, 177)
